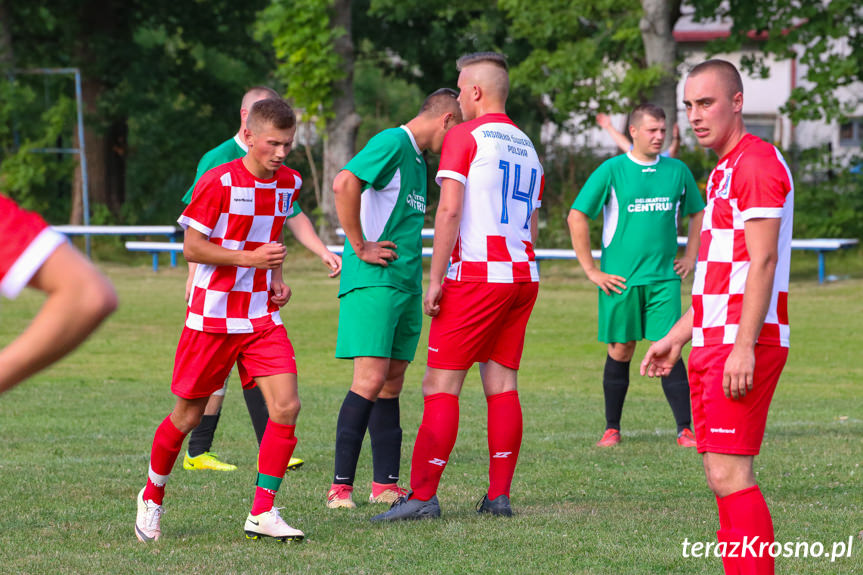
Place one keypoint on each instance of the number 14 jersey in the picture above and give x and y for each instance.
(503, 182)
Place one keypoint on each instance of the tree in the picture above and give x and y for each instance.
(826, 37)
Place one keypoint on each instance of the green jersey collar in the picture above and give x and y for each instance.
(411, 136)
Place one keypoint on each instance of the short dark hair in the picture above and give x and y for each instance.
(254, 92)
(491, 57)
(273, 111)
(647, 109)
(440, 102)
(727, 70)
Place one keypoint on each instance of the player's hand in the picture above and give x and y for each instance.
(737, 376)
(378, 253)
(660, 358)
(333, 262)
(431, 302)
(603, 120)
(280, 292)
(266, 257)
(607, 282)
(683, 266)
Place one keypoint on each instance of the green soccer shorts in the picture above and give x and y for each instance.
(379, 321)
(640, 312)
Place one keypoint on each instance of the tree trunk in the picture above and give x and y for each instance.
(7, 55)
(341, 132)
(105, 25)
(657, 25)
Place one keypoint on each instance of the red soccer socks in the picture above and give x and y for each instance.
(166, 447)
(504, 441)
(434, 443)
(743, 519)
(277, 446)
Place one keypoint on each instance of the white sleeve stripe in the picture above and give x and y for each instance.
(761, 213)
(187, 222)
(29, 262)
(451, 175)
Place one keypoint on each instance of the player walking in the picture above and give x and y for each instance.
(233, 227)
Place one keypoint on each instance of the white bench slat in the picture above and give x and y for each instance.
(117, 230)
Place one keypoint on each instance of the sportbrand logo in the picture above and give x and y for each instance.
(339, 478)
(254, 522)
(394, 478)
(723, 430)
(501, 455)
(434, 349)
(247, 200)
(438, 462)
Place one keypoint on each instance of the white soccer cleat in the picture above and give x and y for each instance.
(148, 523)
(271, 524)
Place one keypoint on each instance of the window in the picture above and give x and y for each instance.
(851, 133)
(762, 126)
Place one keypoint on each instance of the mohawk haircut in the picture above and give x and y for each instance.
(727, 72)
(273, 111)
(490, 57)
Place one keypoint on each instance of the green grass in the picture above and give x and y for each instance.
(75, 440)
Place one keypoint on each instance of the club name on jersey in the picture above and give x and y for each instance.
(650, 205)
(497, 135)
(416, 201)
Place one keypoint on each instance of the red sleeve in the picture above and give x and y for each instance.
(459, 150)
(204, 210)
(760, 184)
(26, 241)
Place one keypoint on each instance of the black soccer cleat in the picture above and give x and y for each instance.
(497, 506)
(405, 508)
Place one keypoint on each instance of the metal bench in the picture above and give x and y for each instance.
(170, 231)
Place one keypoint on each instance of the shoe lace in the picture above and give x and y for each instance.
(277, 518)
(341, 491)
(154, 514)
(481, 501)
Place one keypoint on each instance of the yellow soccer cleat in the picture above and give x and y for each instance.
(295, 463)
(206, 460)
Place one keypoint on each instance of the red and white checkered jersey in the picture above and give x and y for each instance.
(27, 241)
(239, 212)
(503, 183)
(751, 181)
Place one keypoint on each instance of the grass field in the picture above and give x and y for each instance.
(74, 447)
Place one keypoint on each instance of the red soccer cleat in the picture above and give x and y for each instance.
(686, 438)
(609, 438)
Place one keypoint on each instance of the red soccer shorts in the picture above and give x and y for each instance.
(480, 322)
(733, 426)
(204, 360)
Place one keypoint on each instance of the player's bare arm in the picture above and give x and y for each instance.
(281, 292)
(604, 122)
(762, 240)
(446, 224)
(303, 229)
(686, 264)
(198, 249)
(579, 232)
(347, 191)
(664, 353)
(79, 299)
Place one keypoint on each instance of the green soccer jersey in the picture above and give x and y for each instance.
(640, 204)
(227, 151)
(393, 172)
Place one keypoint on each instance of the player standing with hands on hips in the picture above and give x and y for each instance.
(485, 229)
(738, 322)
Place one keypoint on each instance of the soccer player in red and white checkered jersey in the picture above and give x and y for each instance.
(233, 227)
(738, 321)
(79, 297)
(485, 228)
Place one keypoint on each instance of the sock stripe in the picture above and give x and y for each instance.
(268, 482)
(157, 479)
